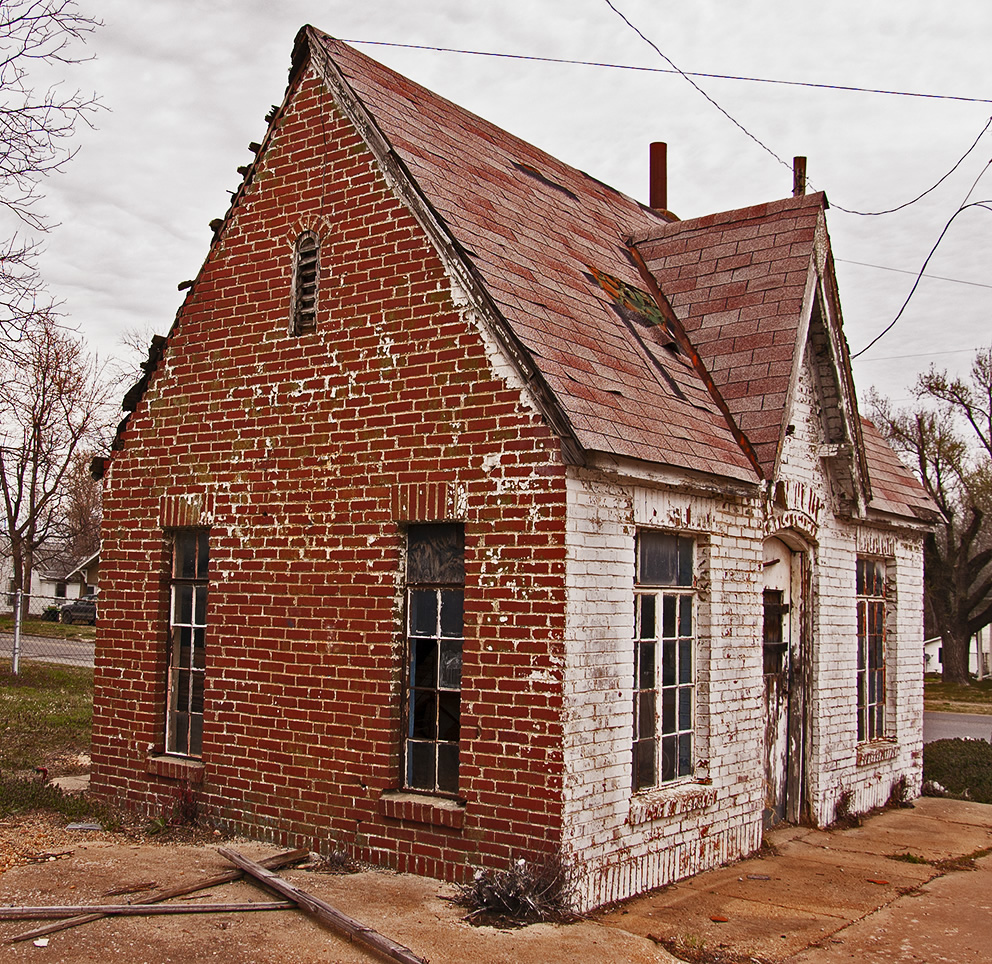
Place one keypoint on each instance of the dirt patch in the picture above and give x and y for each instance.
(49, 864)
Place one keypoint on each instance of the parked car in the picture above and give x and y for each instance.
(81, 610)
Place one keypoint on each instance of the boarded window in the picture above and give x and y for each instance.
(187, 642)
(664, 659)
(871, 649)
(435, 579)
(305, 264)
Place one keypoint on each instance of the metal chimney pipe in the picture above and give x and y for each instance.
(659, 175)
(798, 176)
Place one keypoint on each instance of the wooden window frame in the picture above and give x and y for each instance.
(872, 612)
(435, 635)
(186, 662)
(665, 655)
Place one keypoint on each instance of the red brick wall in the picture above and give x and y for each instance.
(306, 456)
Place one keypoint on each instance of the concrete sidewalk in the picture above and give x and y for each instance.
(836, 895)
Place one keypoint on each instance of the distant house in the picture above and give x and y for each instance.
(86, 575)
(979, 655)
(474, 511)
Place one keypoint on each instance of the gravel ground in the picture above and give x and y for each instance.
(42, 863)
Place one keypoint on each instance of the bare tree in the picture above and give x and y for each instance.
(37, 123)
(947, 436)
(53, 410)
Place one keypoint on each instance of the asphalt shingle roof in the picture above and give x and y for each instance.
(737, 281)
(552, 247)
(533, 228)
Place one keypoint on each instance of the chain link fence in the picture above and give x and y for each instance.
(50, 629)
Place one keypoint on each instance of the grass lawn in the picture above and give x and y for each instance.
(33, 626)
(46, 713)
(45, 716)
(955, 698)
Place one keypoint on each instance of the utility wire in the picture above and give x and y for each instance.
(765, 147)
(932, 277)
(923, 354)
(688, 75)
(986, 205)
(668, 60)
(875, 214)
(663, 70)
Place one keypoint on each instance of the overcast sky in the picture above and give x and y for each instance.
(187, 85)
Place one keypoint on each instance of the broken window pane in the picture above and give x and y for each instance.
(436, 554)
(435, 603)
(187, 649)
(450, 670)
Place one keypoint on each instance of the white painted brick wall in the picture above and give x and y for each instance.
(627, 842)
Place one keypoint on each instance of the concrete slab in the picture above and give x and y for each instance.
(949, 920)
(819, 884)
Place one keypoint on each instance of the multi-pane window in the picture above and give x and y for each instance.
(871, 648)
(305, 262)
(187, 637)
(435, 578)
(664, 658)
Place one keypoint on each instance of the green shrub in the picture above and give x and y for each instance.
(961, 768)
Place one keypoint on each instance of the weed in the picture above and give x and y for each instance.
(964, 862)
(899, 794)
(694, 950)
(186, 808)
(22, 796)
(844, 816)
(908, 858)
(527, 893)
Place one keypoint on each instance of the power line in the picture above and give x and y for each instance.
(985, 205)
(874, 214)
(662, 70)
(933, 277)
(669, 61)
(923, 354)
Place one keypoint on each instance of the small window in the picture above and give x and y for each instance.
(187, 642)
(305, 262)
(870, 580)
(435, 579)
(664, 659)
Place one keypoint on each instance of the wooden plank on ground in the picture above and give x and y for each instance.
(323, 911)
(139, 910)
(181, 890)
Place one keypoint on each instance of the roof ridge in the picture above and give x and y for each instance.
(754, 212)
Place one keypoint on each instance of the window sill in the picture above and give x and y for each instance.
(670, 802)
(175, 768)
(422, 808)
(877, 751)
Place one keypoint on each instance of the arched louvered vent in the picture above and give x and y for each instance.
(304, 316)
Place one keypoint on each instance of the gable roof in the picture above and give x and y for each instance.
(641, 336)
(895, 490)
(538, 233)
(738, 282)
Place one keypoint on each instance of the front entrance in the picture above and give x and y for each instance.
(784, 682)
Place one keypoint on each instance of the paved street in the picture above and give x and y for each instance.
(69, 652)
(950, 726)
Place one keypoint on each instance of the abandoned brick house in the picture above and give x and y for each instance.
(472, 510)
